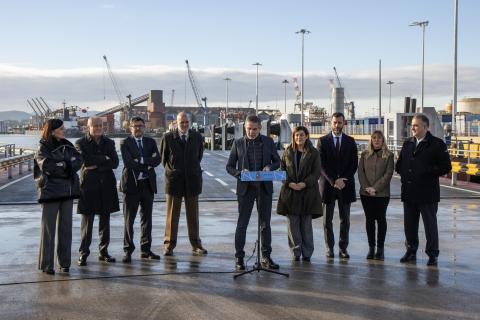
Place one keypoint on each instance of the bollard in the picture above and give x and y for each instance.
(29, 165)
(9, 172)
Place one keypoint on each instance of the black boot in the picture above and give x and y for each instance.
(379, 254)
(371, 253)
(239, 264)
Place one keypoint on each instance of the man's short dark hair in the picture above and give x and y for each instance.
(136, 119)
(338, 115)
(253, 118)
(423, 117)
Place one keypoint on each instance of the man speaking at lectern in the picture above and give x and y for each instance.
(253, 152)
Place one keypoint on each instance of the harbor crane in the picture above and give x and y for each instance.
(298, 93)
(199, 100)
(118, 92)
(349, 105)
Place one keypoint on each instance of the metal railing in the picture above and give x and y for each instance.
(9, 159)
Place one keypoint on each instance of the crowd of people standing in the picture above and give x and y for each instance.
(317, 178)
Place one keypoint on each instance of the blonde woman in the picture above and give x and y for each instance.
(375, 171)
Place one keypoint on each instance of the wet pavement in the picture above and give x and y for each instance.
(193, 287)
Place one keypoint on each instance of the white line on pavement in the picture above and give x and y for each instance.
(15, 181)
(233, 190)
(208, 173)
(223, 183)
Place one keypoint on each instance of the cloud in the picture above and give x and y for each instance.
(91, 87)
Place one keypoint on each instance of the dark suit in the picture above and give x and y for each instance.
(183, 179)
(419, 168)
(336, 165)
(138, 192)
(98, 190)
(249, 192)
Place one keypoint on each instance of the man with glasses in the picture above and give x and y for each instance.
(181, 151)
(138, 183)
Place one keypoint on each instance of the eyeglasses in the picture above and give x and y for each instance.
(138, 126)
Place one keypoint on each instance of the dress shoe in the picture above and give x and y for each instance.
(329, 254)
(409, 257)
(371, 253)
(168, 252)
(49, 271)
(296, 258)
(106, 258)
(66, 270)
(343, 253)
(379, 254)
(268, 263)
(432, 261)
(306, 259)
(82, 261)
(199, 251)
(149, 255)
(127, 258)
(239, 264)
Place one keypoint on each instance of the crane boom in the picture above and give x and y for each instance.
(33, 108)
(46, 104)
(350, 105)
(116, 87)
(199, 100)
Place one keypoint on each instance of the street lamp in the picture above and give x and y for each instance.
(302, 31)
(285, 83)
(227, 79)
(256, 92)
(422, 24)
(390, 99)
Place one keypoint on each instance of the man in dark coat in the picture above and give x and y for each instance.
(181, 151)
(338, 154)
(253, 152)
(98, 189)
(139, 183)
(423, 159)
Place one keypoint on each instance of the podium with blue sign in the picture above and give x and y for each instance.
(261, 176)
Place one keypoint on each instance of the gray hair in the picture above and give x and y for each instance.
(422, 117)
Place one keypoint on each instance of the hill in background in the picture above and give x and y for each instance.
(14, 115)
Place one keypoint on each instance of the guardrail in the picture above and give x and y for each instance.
(11, 162)
(472, 169)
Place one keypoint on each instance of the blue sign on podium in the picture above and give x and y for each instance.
(263, 176)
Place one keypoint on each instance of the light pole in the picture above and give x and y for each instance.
(227, 79)
(256, 92)
(285, 83)
(454, 104)
(302, 31)
(422, 24)
(390, 99)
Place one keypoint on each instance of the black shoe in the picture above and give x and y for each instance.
(329, 254)
(409, 256)
(343, 253)
(268, 263)
(306, 259)
(49, 271)
(168, 252)
(432, 261)
(127, 258)
(149, 255)
(239, 264)
(296, 258)
(199, 251)
(82, 261)
(371, 253)
(106, 258)
(66, 270)
(379, 254)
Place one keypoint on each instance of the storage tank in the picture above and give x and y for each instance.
(470, 105)
(338, 100)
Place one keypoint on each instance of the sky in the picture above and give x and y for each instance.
(54, 49)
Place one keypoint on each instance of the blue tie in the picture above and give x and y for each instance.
(139, 143)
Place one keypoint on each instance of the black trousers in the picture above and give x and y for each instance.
(375, 209)
(264, 209)
(411, 216)
(344, 213)
(86, 230)
(131, 202)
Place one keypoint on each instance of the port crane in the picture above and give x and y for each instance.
(349, 105)
(121, 102)
(298, 93)
(199, 100)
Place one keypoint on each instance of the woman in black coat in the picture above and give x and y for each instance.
(56, 164)
(299, 197)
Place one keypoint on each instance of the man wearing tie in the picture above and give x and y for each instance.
(338, 154)
(182, 151)
(138, 183)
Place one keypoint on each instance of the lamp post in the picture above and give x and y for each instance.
(285, 83)
(227, 79)
(454, 104)
(302, 31)
(256, 92)
(390, 96)
(422, 24)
